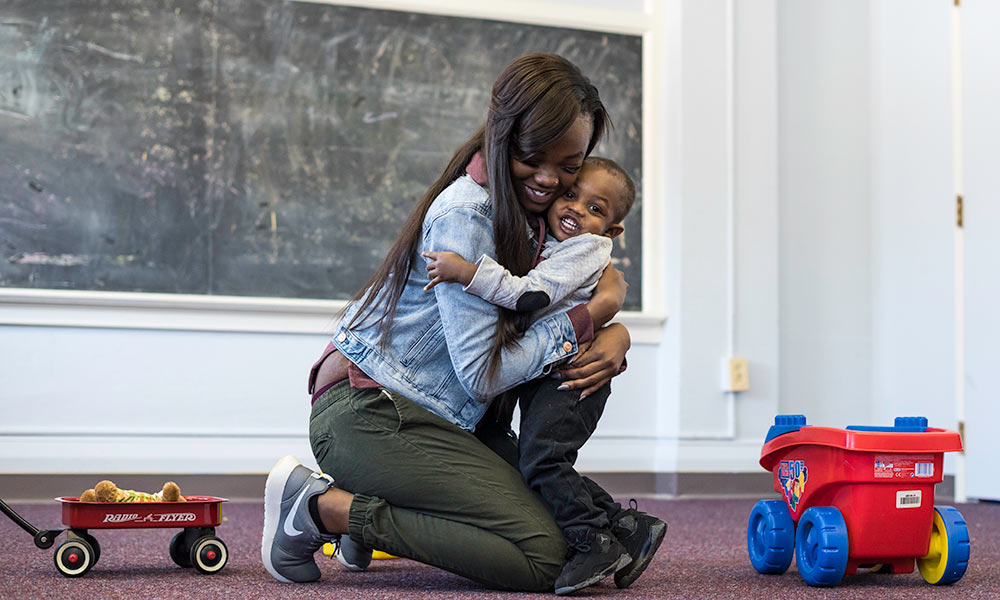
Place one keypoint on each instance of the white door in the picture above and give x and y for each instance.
(981, 158)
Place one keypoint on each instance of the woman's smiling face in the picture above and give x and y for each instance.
(545, 175)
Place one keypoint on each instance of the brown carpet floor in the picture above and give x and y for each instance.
(704, 556)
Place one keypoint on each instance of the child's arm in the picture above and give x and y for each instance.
(577, 263)
(448, 267)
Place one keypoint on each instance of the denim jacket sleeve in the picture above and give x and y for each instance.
(469, 322)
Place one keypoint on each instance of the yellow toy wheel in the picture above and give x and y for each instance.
(948, 555)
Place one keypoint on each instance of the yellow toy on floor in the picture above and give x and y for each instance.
(329, 551)
(107, 491)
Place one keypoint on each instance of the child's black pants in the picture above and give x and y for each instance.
(554, 426)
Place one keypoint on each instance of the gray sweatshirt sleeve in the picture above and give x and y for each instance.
(572, 264)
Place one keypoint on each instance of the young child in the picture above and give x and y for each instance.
(576, 251)
(555, 424)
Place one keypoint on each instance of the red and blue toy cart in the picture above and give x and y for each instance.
(860, 497)
(194, 546)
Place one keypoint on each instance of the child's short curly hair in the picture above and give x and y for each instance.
(628, 186)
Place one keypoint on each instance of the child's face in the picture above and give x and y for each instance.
(590, 206)
(544, 176)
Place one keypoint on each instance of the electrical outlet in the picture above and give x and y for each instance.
(735, 374)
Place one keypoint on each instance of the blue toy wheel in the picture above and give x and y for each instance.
(821, 546)
(770, 537)
(948, 555)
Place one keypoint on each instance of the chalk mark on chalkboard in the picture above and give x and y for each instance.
(40, 258)
(113, 54)
(373, 118)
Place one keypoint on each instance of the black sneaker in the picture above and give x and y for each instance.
(641, 535)
(351, 554)
(593, 556)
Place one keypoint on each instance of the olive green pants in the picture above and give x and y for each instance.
(427, 490)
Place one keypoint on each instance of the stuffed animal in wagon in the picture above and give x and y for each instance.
(107, 491)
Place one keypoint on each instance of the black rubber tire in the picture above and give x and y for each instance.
(180, 551)
(209, 554)
(74, 557)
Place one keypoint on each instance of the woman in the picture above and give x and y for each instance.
(413, 372)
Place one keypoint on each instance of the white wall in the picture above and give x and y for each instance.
(775, 168)
(127, 400)
(825, 229)
(913, 212)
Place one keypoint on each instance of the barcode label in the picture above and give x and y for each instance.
(923, 469)
(908, 499)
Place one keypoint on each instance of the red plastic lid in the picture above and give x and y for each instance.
(932, 440)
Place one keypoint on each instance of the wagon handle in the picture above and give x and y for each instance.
(44, 538)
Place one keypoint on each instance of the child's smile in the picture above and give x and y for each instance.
(569, 225)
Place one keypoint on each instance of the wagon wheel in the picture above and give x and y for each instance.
(770, 537)
(74, 557)
(821, 546)
(209, 554)
(180, 549)
(94, 544)
(948, 555)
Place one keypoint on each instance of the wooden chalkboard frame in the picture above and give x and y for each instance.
(47, 307)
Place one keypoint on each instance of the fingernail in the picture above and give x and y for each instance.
(557, 375)
(564, 386)
(582, 396)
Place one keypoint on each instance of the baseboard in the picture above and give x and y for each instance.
(239, 452)
(249, 487)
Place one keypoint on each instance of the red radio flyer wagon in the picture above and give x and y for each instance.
(195, 546)
(860, 497)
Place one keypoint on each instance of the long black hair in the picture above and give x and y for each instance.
(535, 101)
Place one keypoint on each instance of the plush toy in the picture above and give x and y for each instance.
(107, 491)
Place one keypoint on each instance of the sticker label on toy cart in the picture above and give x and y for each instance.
(150, 518)
(908, 499)
(793, 474)
(904, 466)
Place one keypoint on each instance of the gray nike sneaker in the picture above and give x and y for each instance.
(351, 554)
(291, 537)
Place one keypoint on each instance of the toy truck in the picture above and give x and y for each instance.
(854, 498)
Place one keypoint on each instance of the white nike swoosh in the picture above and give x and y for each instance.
(290, 529)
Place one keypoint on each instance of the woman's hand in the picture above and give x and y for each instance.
(608, 298)
(597, 362)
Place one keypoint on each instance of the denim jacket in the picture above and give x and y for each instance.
(439, 350)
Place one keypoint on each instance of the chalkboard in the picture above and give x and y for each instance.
(251, 147)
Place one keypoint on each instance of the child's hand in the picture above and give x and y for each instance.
(447, 267)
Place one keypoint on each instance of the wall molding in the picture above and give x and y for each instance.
(249, 487)
(133, 310)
